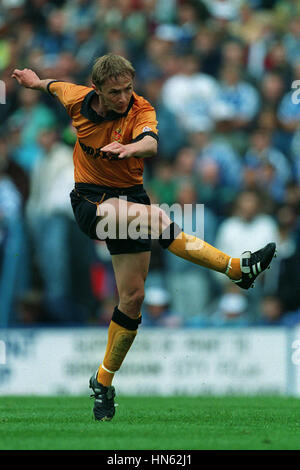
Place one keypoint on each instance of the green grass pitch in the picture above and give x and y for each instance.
(157, 423)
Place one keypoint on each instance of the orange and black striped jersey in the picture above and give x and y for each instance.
(94, 132)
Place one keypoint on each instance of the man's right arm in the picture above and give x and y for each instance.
(29, 79)
(69, 94)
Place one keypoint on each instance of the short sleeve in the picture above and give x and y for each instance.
(68, 94)
(145, 124)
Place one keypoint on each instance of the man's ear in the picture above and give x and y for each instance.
(96, 89)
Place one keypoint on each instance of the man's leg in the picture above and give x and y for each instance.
(154, 221)
(130, 272)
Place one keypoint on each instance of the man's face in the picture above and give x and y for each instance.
(116, 93)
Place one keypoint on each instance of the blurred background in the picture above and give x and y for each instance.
(219, 74)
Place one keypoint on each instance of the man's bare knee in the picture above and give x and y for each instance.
(159, 221)
(131, 302)
(115, 213)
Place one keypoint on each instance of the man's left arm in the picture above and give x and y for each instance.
(144, 137)
(143, 148)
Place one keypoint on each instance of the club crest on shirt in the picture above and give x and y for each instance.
(117, 135)
(147, 129)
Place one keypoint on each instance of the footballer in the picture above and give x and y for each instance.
(116, 130)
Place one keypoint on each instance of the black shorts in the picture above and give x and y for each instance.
(84, 198)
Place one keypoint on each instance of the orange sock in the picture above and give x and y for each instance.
(234, 269)
(119, 341)
(199, 252)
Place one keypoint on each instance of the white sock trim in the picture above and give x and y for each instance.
(107, 370)
(228, 266)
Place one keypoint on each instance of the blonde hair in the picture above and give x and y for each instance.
(110, 66)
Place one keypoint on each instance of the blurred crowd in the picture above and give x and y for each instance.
(224, 78)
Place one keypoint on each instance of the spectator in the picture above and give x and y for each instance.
(187, 23)
(224, 9)
(277, 61)
(54, 39)
(157, 311)
(88, 46)
(284, 12)
(104, 312)
(271, 311)
(292, 197)
(163, 185)
(168, 122)
(22, 154)
(31, 310)
(219, 75)
(239, 94)
(79, 12)
(151, 65)
(31, 116)
(11, 248)
(165, 11)
(273, 314)
(13, 170)
(205, 48)
(11, 101)
(190, 94)
(249, 226)
(295, 149)
(184, 165)
(291, 40)
(217, 167)
(285, 279)
(202, 285)
(271, 167)
(272, 88)
(220, 152)
(51, 220)
(225, 129)
(37, 12)
(289, 113)
(233, 54)
(267, 120)
(232, 310)
(256, 31)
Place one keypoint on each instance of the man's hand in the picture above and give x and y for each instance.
(115, 149)
(27, 78)
(146, 147)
